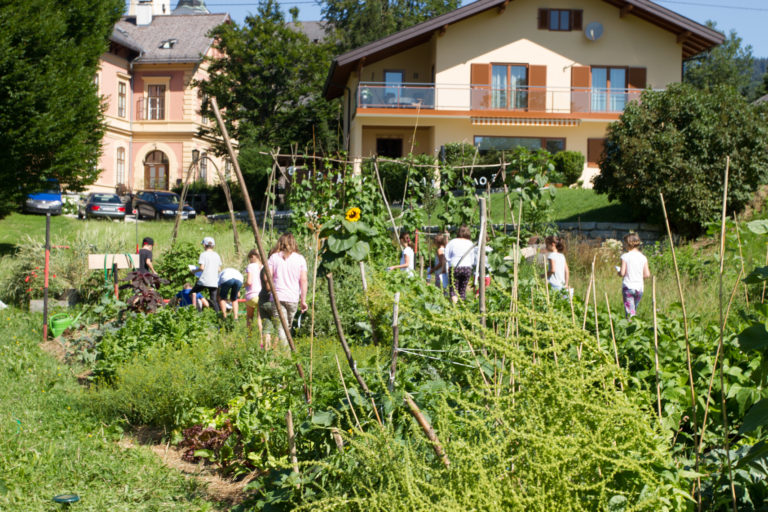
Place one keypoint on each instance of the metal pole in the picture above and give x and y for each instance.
(45, 274)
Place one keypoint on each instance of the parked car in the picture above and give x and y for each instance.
(160, 205)
(102, 205)
(47, 200)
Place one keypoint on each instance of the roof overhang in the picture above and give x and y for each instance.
(694, 37)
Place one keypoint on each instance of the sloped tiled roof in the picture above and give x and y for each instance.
(694, 37)
(314, 30)
(189, 31)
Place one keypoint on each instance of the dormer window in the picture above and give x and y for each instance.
(560, 20)
(168, 44)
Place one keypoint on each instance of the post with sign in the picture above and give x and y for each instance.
(136, 219)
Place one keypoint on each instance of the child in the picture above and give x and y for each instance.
(634, 269)
(187, 298)
(145, 256)
(266, 308)
(208, 265)
(558, 274)
(230, 282)
(253, 288)
(438, 269)
(407, 257)
(460, 258)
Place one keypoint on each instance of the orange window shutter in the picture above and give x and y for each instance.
(580, 83)
(537, 88)
(480, 79)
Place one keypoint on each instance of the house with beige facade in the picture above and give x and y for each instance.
(499, 74)
(152, 107)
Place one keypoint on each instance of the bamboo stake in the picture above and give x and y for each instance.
(726, 441)
(184, 190)
(342, 339)
(481, 254)
(613, 338)
(269, 195)
(597, 324)
(230, 207)
(656, 351)
(384, 197)
(688, 359)
(395, 333)
(257, 237)
(346, 393)
(312, 313)
(586, 307)
(428, 430)
(292, 442)
(714, 368)
(337, 439)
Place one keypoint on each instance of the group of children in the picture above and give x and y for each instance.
(633, 270)
(456, 261)
(287, 267)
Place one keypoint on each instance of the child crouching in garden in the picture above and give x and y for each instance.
(634, 269)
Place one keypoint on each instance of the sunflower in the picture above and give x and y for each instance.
(353, 214)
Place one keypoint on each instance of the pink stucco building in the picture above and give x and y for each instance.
(152, 107)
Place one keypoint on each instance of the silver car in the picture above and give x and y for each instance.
(101, 205)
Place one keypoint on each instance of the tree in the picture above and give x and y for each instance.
(269, 82)
(50, 115)
(676, 142)
(727, 64)
(353, 23)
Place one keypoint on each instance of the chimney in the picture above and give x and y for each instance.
(144, 13)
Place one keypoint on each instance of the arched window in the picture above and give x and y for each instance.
(120, 167)
(156, 171)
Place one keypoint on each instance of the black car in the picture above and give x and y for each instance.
(160, 205)
(101, 205)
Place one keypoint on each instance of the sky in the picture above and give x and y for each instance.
(749, 18)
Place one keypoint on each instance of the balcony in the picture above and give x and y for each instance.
(484, 98)
(150, 109)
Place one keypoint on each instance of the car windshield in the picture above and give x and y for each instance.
(105, 198)
(167, 198)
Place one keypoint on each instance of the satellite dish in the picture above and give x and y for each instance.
(594, 30)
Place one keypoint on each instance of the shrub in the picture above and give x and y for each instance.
(570, 165)
(676, 142)
(173, 265)
(169, 382)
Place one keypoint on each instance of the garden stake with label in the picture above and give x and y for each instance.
(259, 245)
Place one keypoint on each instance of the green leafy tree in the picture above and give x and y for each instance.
(727, 64)
(676, 142)
(50, 115)
(269, 83)
(353, 23)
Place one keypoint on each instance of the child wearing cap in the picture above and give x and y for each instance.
(209, 265)
(145, 256)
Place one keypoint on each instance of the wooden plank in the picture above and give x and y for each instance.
(124, 261)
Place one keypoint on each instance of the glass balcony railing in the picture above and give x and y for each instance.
(552, 100)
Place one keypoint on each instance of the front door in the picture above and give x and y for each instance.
(156, 171)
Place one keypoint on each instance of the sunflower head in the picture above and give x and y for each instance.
(353, 214)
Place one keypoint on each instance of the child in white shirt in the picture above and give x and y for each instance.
(634, 269)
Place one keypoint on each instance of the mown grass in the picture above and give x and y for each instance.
(50, 444)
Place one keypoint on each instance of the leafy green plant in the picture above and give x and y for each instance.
(144, 285)
(569, 165)
(173, 265)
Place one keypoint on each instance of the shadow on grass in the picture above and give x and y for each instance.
(609, 213)
(8, 249)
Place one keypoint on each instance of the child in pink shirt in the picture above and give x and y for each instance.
(289, 273)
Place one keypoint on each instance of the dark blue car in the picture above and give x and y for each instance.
(45, 201)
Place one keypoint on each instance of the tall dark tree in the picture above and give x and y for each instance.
(50, 114)
(269, 82)
(353, 23)
(727, 64)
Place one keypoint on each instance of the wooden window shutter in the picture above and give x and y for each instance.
(636, 78)
(576, 16)
(537, 92)
(543, 19)
(595, 148)
(580, 83)
(480, 80)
